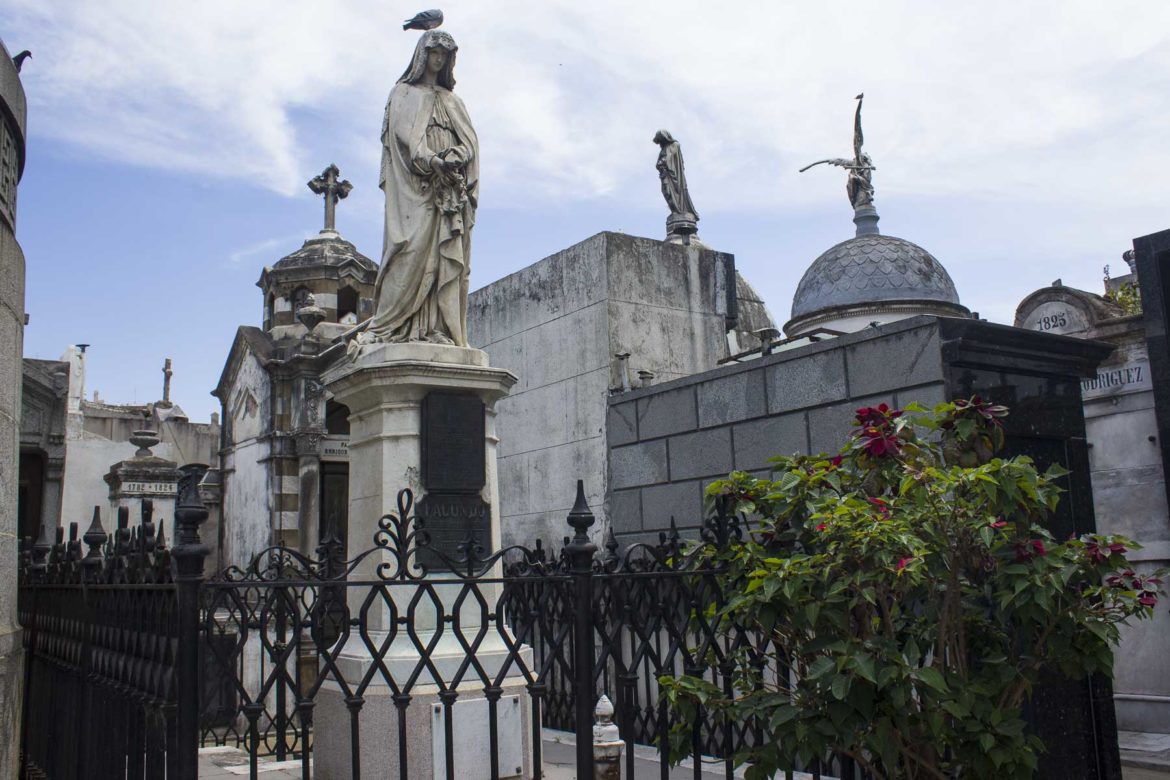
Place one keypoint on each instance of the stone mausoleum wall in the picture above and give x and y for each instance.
(667, 442)
(12, 145)
(557, 325)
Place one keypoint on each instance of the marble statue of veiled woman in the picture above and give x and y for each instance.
(674, 177)
(430, 174)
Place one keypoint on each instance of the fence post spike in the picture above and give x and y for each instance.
(95, 537)
(580, 558)
(188, 553)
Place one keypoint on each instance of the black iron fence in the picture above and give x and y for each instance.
(385, 665)
(109, 650)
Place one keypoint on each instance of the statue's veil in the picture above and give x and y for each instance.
(432, 39)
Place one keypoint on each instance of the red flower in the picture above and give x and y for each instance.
(1117, 548)
(1033, 548)
(1148, 600)
(881, 504)
(902, 563)
(1000, 523)
(880, 443)
(821, 527)
(835, 461)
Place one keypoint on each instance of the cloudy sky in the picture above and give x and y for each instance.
(170, 144)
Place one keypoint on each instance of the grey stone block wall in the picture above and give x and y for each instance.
(667, 443)
(557, 325)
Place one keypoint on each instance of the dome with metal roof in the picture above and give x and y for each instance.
(869, 278)
(870, 268)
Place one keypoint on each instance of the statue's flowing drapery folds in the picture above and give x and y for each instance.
(430, 174)
(674, 177)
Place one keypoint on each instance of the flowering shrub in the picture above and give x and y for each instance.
(912, 596)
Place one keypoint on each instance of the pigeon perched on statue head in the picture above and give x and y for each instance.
(424, 20)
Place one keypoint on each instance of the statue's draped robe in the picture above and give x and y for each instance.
(674, 181)
(426, 253)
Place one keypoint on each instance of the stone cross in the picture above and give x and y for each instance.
(167, 381)
(327, 184)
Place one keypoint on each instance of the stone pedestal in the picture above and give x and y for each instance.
(386, 388)
(144, 477)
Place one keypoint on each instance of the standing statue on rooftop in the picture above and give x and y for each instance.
(683, 219)
(430, 174)
(860, 184)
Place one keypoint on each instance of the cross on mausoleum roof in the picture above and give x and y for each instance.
(327, 184)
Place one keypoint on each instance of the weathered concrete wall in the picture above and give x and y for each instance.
(1129, 498)
(247, 466)
(12, 145)
(557, 325)
(669, 442)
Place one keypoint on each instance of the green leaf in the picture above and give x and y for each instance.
(821, 667)
(840, 687)
(932, 677)
(863, 664)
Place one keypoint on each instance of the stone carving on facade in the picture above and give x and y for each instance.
(430, 175)
(308, 442)
(860, 184)
(683, 217)
(313, 392)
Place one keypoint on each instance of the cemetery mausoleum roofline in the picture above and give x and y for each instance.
(963, 339)
(870, 269)
(327, 250)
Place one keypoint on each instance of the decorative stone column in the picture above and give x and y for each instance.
(308, 443)
(405, 401)
(51, 497)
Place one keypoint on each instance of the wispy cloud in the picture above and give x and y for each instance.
(1054, 101)
(267, 248)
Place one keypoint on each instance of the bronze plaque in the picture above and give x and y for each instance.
(452, 442)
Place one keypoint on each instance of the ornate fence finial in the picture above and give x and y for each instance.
(95, 537)
(73, 548)
(580, 518)
(189, 509)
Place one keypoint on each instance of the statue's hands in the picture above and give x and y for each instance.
(455, 156)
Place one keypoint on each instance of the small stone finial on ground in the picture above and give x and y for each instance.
(607, 742)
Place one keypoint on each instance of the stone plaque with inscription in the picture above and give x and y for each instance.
(452, 520)
(453, 474)
(1130, 377)
(452, 442)
(1057, 317)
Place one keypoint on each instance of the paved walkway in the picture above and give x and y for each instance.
(1144, 756)
(227, 763)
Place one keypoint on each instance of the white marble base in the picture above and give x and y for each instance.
(384, 386)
